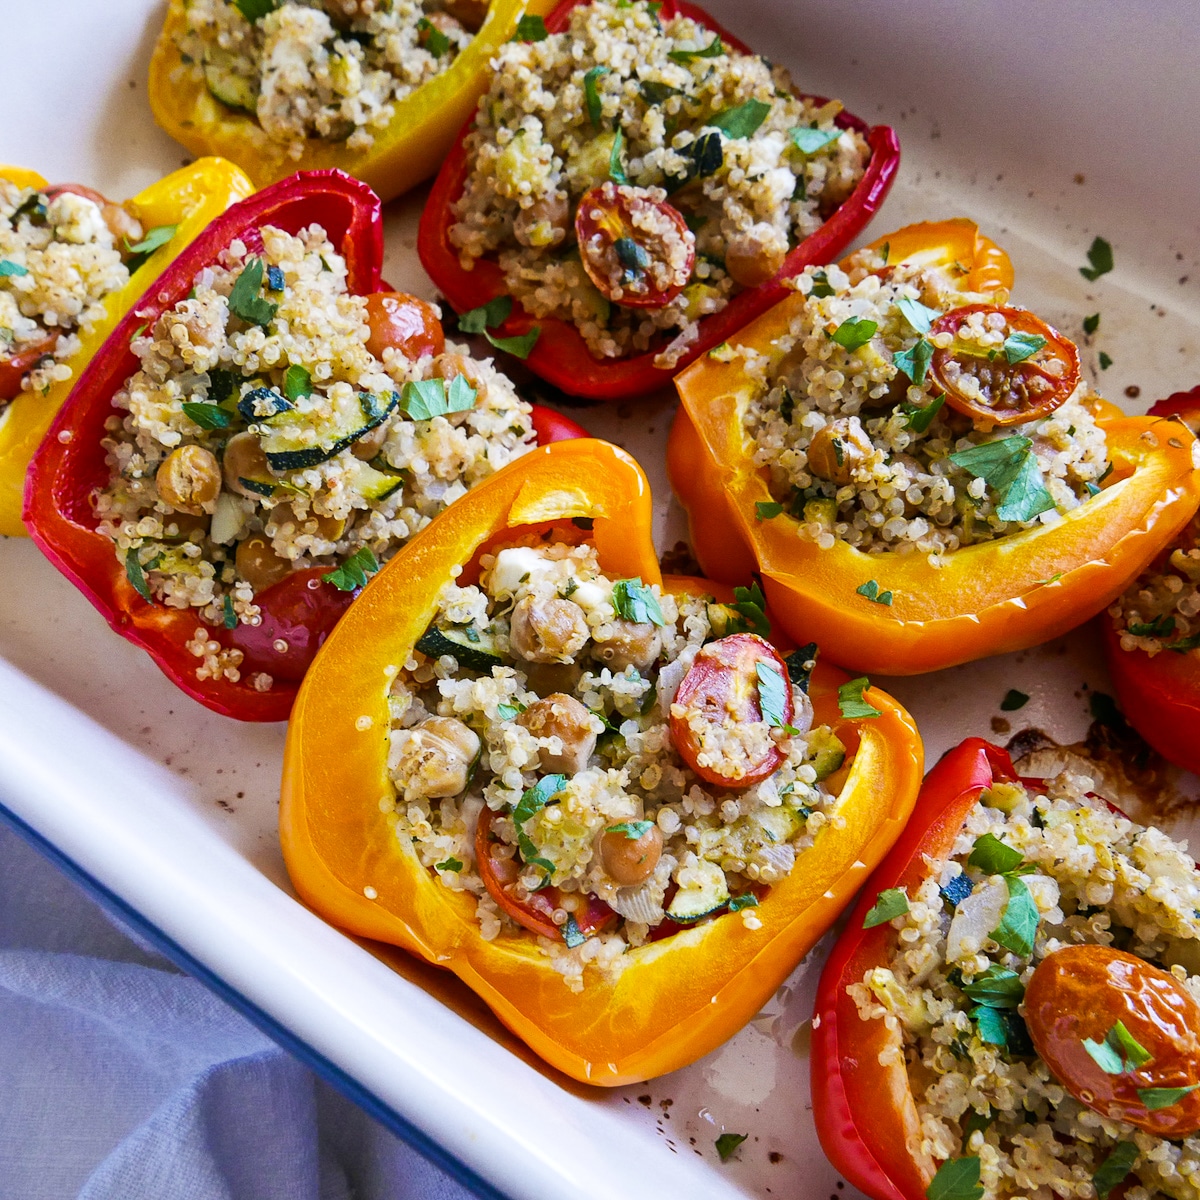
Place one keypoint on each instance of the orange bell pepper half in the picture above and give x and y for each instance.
(188, 199)
(678, 997)
(988, 598)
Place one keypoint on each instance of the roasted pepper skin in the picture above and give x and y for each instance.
(1160, 696)
(682, 995)
(560, 355)
(406, 152)
(188, 198)
(989, 598)
(71, 460)
(864, 1111)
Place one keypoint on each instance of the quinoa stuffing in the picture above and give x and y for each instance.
(61, 254)
(548, 723)
(272, 427)
(633, 174)
(890, 425)
(1047, 896)
(327, 69)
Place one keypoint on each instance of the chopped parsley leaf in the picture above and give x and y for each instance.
(742, 120)
(424, 399)
(772, 694)
(1119, 1052)
(916, 314)
(297, 382)
(518, 347)
(207, 416)
(997, 987)
(530, 29)
(685, 54)
(809, 141)
(449, 864)
(354, 571)
(1019, 924)
(851, 701)
(727, 1143)
(1013, 700)
(486, 316)
(229, 617)
(432, 38)
(854, 332)
(136, 573)
(572, 934)
(765, 510)
(632, 829)
(244, 300)
(920, 416)
(1020, 346)
(1156, 1098)
(1105, 361)
(914, 362)
(890, 903)
(1091, 324)
(745, 900)
(160, 235)
(634, 601)
(1114, 1168)
(1008, 466)
(591, 95)
(993, 857)
(956, 1179)
(1100, 256)
(871, 591)
(509, 712)
(255, 10)
(8, 267)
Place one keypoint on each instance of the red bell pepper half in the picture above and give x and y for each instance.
(864, 1112)
(70, 464)
(1160, 695)
(560, 355)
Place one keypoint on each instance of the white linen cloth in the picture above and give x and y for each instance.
(123, 1079)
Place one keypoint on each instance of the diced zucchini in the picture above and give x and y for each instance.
(779, 825)
(704, 892)
(828, 752)
(263, 403)
(375, 485)
(226, 85)
(475, 656)
(822, 512)
(294, 440)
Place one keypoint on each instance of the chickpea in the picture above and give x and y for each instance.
(371, 442)
(548, 631)
(754, 256)
(634, 644)
(544, 223)
(188, 479)
(837, 449)
(563, 717)
(244, 459)
(450, 366)
(630, 861)
(547, 678)
(330, 528)
(436, 759)
(258, 564)
(471, 13)
(185, 527)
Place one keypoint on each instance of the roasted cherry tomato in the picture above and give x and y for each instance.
(409, 325)
(536, 912)
(298, 614)
(1027, 377)
(16, 367)
(639, 252)
(719, 698)
(124, 226)
(1081, 992)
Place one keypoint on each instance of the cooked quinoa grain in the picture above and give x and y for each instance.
(859, 442)
(327, 69)
(59, 259)
(1095, 879)
(674, 120)
(261, 436)
(534, 705)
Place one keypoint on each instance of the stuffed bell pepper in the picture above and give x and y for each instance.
(635, 186)
(1014, 1006)
(255, 439)
(1152, 632)
(603, 798)
(376, 90)
(71, 265)
(916, 466)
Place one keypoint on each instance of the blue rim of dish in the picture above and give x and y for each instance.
(277, 1032)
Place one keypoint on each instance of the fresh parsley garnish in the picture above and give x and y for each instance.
(531, 29)
(255, 10)
(1013, 700)
(448, 864)
(591, 95)
(486, 316)
(532, 801)
(1010, 468)
(1156, 1098)
(8, 267)
(354, 571)
(207, 416)
(997, 987)
(654, 92)
(871, 591)
(572, 934)
(977, 1121)
(765, 510)
(956, 1179)
(1161, 626)
(686, 54)
(919, 417)
(914, 362)
(1114, 1168)
(616, 170)
(772, 695)
(1100, 256)
(1018, 926)
(518, 347)
(228, 616)
(892, 902)
(244, 300)
(750, 604)
(727, 1143)
(136, 573)
(632, 829)
(745, 900)
(160, 235)
(851, 701)
(1105, 361)
(809, 141)
(509, 712)
(297, 382)
(634, 601)
(1119, 1052)
(993, 857)
(742, 120)
(1020, 346)
(424, 399)
(432, 38)
(854, 332)
(916, 314)
(1091, 324)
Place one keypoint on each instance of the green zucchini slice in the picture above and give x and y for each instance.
(294, 440)
(475, 656)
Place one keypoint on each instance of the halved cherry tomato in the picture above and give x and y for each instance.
(123, 225)
(14, 368)
(298, 614)
(404, 322)
(1081, 992)
(1027, 378)
(723, 689)
(626, 243)
(537, 912)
